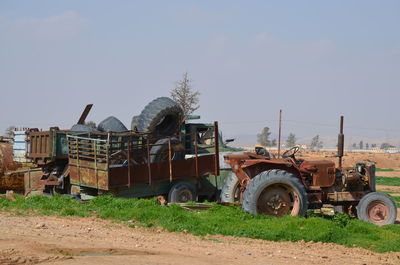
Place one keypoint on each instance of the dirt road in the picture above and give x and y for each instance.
(71, 240)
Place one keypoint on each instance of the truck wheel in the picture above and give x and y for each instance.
(231, 190)
(159, 151)
(182, 192)
(161, 117)
(277, 193)
(111, 124)
(377, 208)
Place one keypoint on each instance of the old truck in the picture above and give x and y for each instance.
(180, 162)
(288, 185)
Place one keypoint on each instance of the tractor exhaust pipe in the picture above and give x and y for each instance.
(340, 143)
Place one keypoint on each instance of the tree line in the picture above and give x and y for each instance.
(264, 138)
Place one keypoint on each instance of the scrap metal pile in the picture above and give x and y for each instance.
(163, 156)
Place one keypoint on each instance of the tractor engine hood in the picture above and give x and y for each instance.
(322, 172)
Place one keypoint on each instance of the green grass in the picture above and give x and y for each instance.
(388, 181)
(384, 169)
(397, 200)
(219, 219)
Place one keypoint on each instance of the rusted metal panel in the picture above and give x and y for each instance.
(47, 146)
(85, 113)
(346, 196)
(159, 171)
(107, 161)
(323, 172)
(33, 185)
(314, 198)
(10, 176)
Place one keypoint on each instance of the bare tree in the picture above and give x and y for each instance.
(184, 94)
(9, 132)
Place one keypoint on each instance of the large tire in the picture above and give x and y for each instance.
(182, 192)
(377, 208)
(231, 190)
(277, 193)
(161, 117)
(83, 128)
(159, 152)
(111, 124)
(134, 123)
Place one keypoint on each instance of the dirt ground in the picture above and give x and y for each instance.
(72, 240)
(384, 160)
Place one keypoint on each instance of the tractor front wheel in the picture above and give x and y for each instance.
(377, 208)
(277, 193)
(231, 190)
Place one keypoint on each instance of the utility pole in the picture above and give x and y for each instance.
(279, 134)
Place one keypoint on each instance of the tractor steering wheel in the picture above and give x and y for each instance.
(291, 152)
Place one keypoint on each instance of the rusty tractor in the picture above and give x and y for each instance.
(288, 185)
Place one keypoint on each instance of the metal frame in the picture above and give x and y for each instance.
(122, 159)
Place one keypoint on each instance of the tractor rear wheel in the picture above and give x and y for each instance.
(277, 193)
(377, 208)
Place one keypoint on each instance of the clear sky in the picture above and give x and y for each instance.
(316, 60)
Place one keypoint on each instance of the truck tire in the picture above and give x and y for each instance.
(275, 192)
(159, 152)
(134, 123)
(83, 128)
(162, 117)
(231, 190)
(182, 192)
(377, 208)
(111, 124)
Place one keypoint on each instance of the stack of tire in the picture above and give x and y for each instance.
(161, 119)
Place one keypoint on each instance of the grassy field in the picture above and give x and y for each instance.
(219, 219)
(384, 169)
(388, 181)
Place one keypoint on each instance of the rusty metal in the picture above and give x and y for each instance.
(11, 172)
(95, 159)
(341, 143)
(148, 160)
(85, 113)
(323, 172)
(216, 143)
(33, 185)
(196, 151)
(170, 159)
(129, 165)
(47, 146)
(279, 133)
(378, 212)
(345, 196)
(278, 201)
